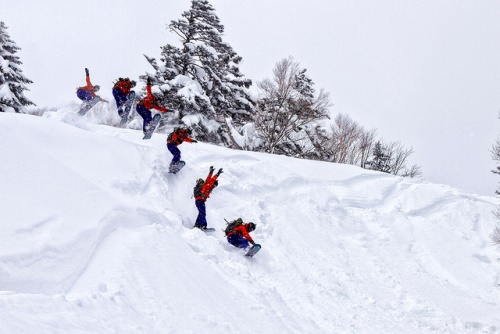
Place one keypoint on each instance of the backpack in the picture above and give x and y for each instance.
(176, 131)
(117, 82)
(231, 225)
(197, 188)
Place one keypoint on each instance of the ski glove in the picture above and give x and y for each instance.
(219, 172)
(149, 81)
(87, 71)
(194, 141)
(212, 169)
(252, 242)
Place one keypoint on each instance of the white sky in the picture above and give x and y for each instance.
(421, 72)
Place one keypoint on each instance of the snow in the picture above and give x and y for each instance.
(6, 93)
(190, 90)
(4, 64)
(195, 45)
(96, 238)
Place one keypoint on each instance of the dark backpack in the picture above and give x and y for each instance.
(197, 187)
(231, 225)
(176, 131)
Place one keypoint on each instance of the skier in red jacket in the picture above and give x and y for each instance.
(174, 139)
(122, 91)
(147, 103)
(209, 185)
(239, 236)
(87, 94)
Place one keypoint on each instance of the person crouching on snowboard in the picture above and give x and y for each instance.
(240, 237)
(147, 103)
(176, 138)
(121, 92)
(87, 93)
(209, 185)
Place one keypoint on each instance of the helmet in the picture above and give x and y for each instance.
(96, 88)
(189, 131)
(251, 227)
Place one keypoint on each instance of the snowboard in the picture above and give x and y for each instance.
(152, 126)
(208, 229)
(176, 167)
(87, 105)
(252, 251)
(128, 106)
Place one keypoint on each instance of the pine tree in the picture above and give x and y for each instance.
(391, 158)
(12, 81)
(380, 161)
(202, 77)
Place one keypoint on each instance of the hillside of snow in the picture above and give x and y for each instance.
(96, 237)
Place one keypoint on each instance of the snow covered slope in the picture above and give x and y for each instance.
(96, 238)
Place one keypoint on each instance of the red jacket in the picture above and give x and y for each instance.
(124, 85)
(150, 101)
(207, 187)
(177, 138)
(242, 230)
(89, 88)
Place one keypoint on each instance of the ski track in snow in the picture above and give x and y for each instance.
(103, 241)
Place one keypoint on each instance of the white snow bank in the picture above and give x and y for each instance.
(96, 238)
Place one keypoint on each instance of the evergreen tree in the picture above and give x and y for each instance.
(380, 161)
(202, 77)
(391, 158)
(12, 81)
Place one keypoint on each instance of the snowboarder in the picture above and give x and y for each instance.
(87, 94)
(144, 106)
(174, 139)
(239, 235)
(200, 199)
(123, 93)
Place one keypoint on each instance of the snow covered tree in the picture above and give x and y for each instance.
(391, 158)
(12, 81)
(201, 78)
(381, 160)
(286, 108)
(343, 141)
(495, 236)
(496, 156)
